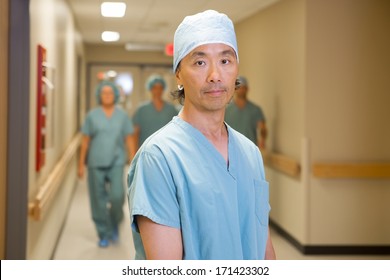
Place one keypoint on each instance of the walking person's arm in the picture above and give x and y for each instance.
(131, 146)
(137, 132)
(261, 134)
(83, 154)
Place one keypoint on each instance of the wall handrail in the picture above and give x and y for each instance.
(352, 170)
(48, 190)
(282, 163)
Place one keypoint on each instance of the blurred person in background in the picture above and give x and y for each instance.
(107, 145)
(245, 116)
(152, 115)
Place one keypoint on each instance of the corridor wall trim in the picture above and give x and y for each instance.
(48, 190)
(352, 170)
(282, 163)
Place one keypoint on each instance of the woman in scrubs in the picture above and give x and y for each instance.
(107, 145)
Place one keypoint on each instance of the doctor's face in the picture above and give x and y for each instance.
(208, 74)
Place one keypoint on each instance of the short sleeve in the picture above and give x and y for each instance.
(128, 126)
(152, 192)
(87, 126)
(259, 114)
(136, 117)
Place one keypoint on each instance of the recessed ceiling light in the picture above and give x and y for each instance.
(143, 47)
(113, 9)
(110, 36)
(111, 73)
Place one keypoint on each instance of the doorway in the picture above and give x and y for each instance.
(131, 81)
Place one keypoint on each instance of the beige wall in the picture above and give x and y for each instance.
(117, 54)
(271, 47)
(3, 118)
(320, 71)
(57, 33)
(272, 55)
(348, 69)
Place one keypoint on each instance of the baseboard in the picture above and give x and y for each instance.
(331, 249)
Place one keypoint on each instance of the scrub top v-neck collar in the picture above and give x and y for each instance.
(108, 118)
(229, 166)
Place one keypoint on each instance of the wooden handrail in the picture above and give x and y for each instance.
(352, 170)
(283, 163)
(48, 190)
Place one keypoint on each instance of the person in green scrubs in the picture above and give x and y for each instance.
(245, 116)
(107, 145)
(152, 115)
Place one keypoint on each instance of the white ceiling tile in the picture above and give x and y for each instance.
(153, 21)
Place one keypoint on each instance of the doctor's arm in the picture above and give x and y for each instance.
(83, 153)
(160, 242)
(269, 249)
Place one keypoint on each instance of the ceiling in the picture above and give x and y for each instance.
(152, 22)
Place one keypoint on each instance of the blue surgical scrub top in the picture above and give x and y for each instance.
(178, 179)
(107, 137)
(245, 120)
(150, 120)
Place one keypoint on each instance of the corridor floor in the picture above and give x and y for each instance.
(78, 240)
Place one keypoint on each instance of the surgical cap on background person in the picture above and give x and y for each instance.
(155, 79)
(100, 87)
(243, 81)
(203, 28)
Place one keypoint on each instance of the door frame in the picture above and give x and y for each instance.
(18, 130)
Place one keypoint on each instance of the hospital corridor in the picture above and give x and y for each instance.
(83, 89)
(77, 240)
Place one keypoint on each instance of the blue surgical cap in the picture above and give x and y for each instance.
(203, 28)
(100, 87)
(155, 79)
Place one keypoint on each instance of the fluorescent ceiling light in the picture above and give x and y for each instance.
(111, 73)
(110, 36)
(113, 9)
(143, 47)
